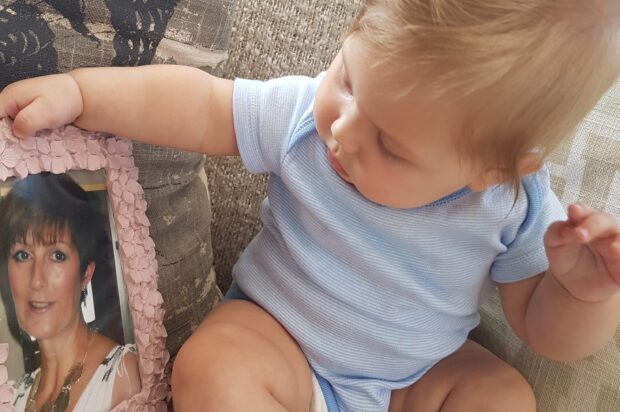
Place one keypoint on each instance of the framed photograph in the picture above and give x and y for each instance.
(78, 276)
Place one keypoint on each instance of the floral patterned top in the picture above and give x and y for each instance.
(97, 396)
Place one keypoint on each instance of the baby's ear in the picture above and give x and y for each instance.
(526, 165)
(530, 163)
(487, 178)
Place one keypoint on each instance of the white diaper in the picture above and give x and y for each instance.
(317, 403)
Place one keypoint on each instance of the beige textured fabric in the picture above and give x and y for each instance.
(586, 168)
(270, 38)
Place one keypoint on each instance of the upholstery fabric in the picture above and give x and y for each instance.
(50, 36)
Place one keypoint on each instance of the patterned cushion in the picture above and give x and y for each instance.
(51, 36)
(585, 168)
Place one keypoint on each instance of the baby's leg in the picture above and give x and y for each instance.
(241, 359)
(471, 379)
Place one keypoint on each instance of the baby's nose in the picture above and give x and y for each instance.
(348, 133)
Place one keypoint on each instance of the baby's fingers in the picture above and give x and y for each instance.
(32, 118)
(596, 225)
(556, 234)
(15, 102)
(8, 108)
(609, 249)
(44, 102)
(578, 211)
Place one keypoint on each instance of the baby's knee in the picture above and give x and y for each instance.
(504, 391)
(210, 352)
(206, 369)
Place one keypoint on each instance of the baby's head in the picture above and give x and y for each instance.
(442, 94)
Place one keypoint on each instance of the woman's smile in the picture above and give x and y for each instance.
(40, 306)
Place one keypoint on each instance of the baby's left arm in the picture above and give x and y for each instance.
(572, 309)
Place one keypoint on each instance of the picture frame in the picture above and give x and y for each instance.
(71, 150)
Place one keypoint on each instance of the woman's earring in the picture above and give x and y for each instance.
(83, 296)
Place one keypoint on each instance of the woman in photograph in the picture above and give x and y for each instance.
(50, 238)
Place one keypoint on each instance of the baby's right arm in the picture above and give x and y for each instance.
(166, 105)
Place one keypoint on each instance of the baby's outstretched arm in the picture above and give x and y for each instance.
(573, 309)
(166, 105)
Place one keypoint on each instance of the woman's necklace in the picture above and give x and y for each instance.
(61, 402)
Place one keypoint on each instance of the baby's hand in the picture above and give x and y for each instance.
(39, 103)
(584, 253)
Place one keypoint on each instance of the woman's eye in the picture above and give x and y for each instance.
(58, 256)
(20, 256)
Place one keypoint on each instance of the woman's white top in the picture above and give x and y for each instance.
(97, 396)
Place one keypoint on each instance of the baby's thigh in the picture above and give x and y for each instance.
(240, 353)
(471, 379)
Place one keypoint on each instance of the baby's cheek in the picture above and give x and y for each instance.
(321, 128)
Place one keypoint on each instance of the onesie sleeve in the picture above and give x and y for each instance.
(525, 254)
(265, 114)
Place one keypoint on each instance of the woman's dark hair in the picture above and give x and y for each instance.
(46, 205)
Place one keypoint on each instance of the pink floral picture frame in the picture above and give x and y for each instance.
(59, 151)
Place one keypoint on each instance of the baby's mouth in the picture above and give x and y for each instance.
(336, 165)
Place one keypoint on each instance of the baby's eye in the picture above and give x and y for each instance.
(20, 256)
(387, 153)
(344, 81)
(58, 256)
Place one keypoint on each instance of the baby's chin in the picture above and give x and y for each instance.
(375, 198)
(388, 201)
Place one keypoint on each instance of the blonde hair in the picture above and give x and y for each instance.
(532, 69)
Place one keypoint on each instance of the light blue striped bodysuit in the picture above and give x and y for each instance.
(374, 296)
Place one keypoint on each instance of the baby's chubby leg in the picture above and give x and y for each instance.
(241, 359)
(471, 379)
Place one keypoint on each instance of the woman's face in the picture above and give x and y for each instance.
(45, 283)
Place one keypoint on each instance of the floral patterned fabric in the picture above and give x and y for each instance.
(97, 396)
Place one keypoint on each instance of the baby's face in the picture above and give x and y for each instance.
(398, 149)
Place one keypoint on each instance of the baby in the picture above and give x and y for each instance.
(406, 182)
